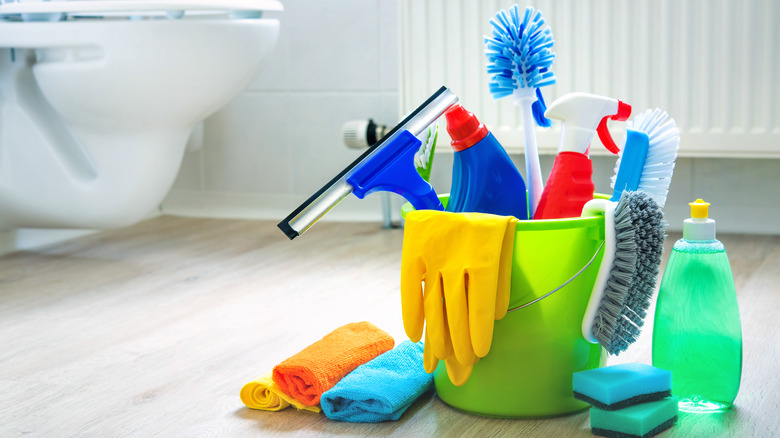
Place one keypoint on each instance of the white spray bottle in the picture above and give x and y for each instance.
(570, 186)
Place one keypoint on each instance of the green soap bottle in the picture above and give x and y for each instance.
(697, 333)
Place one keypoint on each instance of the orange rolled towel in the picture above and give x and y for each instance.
(318, 367)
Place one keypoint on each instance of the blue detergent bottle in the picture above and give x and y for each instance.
(484, 178)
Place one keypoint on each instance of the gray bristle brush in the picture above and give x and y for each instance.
(633, 243)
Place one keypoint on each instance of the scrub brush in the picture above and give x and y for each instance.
(423, 159)
(520, 61)
(647, 160)
(633, 243)
(634, 231)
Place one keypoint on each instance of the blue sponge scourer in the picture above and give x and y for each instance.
(622, 385)
(639, 421)
(629, 401)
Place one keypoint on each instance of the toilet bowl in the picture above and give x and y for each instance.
(98, 99)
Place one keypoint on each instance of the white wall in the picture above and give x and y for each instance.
(280, 141)
(744, 193)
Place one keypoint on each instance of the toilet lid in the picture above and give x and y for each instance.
(119, 6)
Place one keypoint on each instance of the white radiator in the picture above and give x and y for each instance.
(712, 64)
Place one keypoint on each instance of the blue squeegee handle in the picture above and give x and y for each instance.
(392, 169)
(318, 204)
(632, 163)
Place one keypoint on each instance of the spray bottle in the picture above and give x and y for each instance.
(697, 333)
(484, 178)
(570, 186)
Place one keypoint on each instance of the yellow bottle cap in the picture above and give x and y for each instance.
(699, 208)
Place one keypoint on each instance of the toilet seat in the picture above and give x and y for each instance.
(131, 7)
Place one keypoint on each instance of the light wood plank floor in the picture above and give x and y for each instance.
(152, 330)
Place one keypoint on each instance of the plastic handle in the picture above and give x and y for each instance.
(632, 163)
(596, 207)
(624, 110)
(533, 170)
(392, 170)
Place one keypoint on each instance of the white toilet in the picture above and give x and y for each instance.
(98, 99)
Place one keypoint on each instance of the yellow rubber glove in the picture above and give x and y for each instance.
(464, 261)
(457, 372)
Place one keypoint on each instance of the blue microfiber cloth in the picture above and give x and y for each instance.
(381, 389)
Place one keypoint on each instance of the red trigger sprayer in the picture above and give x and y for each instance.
(570, 186)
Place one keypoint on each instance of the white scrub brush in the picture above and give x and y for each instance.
(647, 159)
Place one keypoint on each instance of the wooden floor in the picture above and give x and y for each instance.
(153, 329)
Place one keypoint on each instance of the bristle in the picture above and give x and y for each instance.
(606, 323)
(647, 221)
(664, 139)
(423, 159)
(639, 235)
(519, 52)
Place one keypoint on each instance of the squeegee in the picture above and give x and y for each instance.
(387, 165)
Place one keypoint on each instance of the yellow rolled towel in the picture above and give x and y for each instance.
(264, 394)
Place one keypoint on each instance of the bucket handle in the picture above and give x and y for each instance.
(587, 265)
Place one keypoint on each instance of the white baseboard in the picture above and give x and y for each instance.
(33, 239)
(28, 239)
(351, 209)
(276, 207)
(264, 206)
(731, 222)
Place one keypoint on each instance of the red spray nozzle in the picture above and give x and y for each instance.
(464, 128)
(623, 112)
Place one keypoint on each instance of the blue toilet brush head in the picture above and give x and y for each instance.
(520, 55)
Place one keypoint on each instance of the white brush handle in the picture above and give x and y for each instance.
(525, 98)
(596, 207)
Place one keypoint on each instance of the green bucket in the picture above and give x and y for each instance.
(535, 349)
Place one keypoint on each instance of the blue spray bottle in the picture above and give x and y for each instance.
(484, 178)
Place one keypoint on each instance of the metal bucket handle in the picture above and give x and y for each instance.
(587, 265)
